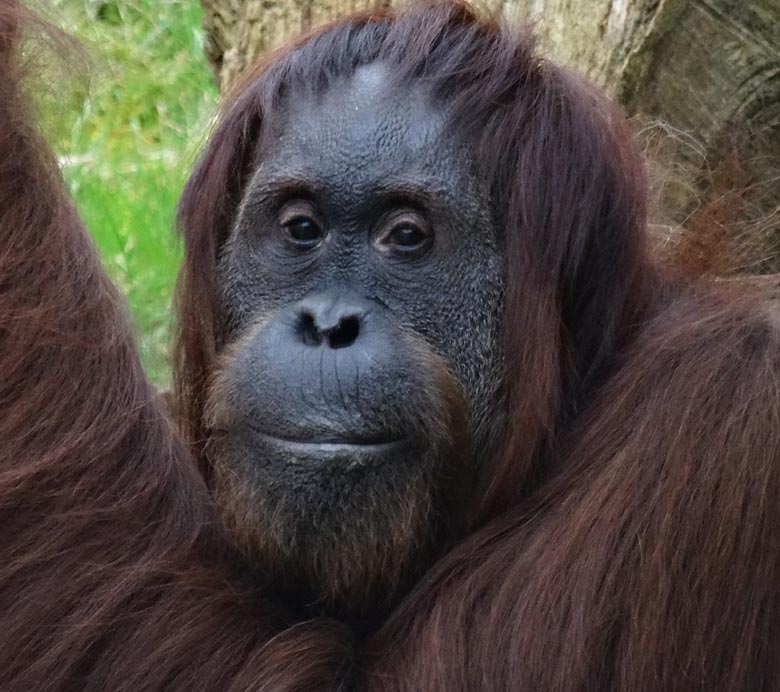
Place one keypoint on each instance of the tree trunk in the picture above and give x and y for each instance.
(239, 32)
(709, 70)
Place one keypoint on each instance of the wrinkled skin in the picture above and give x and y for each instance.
(363, 284)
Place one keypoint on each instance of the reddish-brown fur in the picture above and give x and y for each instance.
(112, 574)
(630, 528)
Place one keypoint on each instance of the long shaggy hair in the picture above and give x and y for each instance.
(627, 537)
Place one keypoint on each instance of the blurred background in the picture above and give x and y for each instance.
(699, 78)
(127, 126)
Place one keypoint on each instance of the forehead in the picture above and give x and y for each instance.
(364, 127)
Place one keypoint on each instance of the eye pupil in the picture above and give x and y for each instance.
(407, 236)
(302, 231)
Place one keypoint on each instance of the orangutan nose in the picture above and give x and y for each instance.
(331, 320)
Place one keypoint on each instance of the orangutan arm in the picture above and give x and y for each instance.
(651, 561)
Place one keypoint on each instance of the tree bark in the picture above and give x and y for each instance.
(709, 70)
(239, 32)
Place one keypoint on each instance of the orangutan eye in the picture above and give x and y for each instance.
(409, 233)
(303, 231)
(407, 237)
(299, 227)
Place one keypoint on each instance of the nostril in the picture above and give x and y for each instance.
(307, 330)
(340, 335)
(345, 333)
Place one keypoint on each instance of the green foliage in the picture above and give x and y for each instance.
(127, 137)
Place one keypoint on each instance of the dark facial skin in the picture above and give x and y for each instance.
(363, 285)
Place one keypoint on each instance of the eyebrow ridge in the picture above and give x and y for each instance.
(420, 189)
